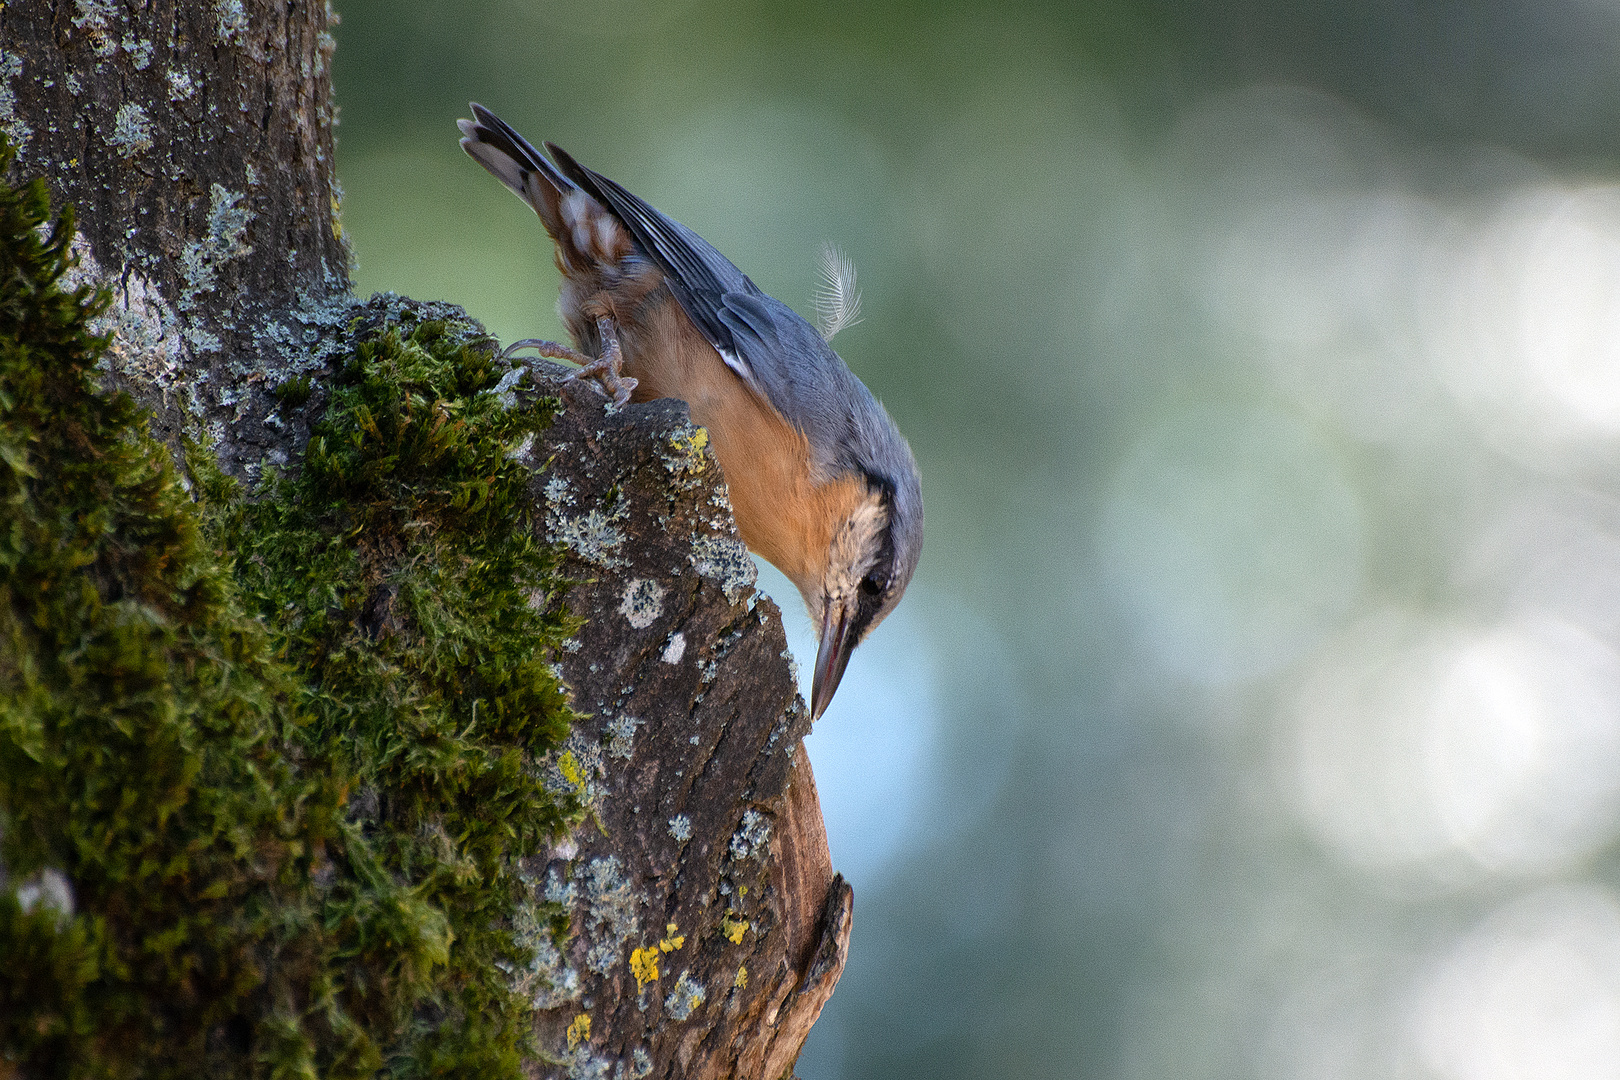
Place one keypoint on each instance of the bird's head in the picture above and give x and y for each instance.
(873, 551)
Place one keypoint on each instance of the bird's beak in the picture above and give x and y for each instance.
(831, 658)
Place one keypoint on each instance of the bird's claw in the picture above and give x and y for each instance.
(546, 348)
(607, 369)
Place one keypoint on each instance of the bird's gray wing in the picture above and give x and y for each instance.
(769, 345)
(700, 277)
(799, 373)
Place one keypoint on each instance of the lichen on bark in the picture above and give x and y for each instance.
(267, 765)
(345, 755)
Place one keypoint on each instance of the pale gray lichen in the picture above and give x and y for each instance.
(560, 890)
(505, 391)
(320, 336)
(202, 260)
(91, 15)
(147, 343)
(11, 66)
(584, 1065)
(202, 340)
(95, 18)
(181, 86)
(610, 918)
(643, 602)
(593, 536)
(725, 560)
(622, 732)
(230, 21)
(140, 52)
(601, 957)
(146, 333)
(640, 1063)
(546, 980)
(751, 835)
(524, 449)
(680, 827)
(132, 131)
(558, 492)
(686, 996)
(675, 649)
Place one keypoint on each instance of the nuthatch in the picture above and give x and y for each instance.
(822, 484)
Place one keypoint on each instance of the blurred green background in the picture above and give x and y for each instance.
(1255, 711)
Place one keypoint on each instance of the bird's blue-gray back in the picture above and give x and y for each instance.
(770, 345)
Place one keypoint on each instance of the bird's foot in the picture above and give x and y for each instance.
(546, 348)
(607, 369)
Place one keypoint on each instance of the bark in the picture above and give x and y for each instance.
(195, 141)
(707, 850)
(707, 926)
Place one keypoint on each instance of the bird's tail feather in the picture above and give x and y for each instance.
(586, 232)
(515, 162)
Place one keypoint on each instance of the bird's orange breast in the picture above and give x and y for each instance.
(785, 510)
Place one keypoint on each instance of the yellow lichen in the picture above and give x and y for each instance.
(569, 765)
(672, 940)
(734, 926)
(579, 1030)
(742, 977)
(690, 450)
(644, 966)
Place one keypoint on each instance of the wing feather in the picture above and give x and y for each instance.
(514, 161)
(698, 275)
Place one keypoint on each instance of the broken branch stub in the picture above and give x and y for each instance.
(706, 927)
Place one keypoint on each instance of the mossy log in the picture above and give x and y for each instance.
(684, 919)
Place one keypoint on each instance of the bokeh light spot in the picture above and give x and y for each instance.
(1414, 745)
(1232, 542)
(1532, 994)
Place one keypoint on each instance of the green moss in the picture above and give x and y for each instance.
(293, 393)
(399, 569)
(282, 750)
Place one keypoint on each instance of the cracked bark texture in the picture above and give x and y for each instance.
(195, 141)
(707, 925)
(707, 928)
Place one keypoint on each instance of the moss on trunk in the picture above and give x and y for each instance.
(267, 764)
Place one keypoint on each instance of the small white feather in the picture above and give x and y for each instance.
(838, 301)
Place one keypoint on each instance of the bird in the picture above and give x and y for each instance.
(823, 485)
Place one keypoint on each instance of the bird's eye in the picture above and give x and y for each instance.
(870, 586)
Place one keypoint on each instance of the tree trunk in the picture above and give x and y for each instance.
(706, 926)
(706, 864)
(195, 141)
